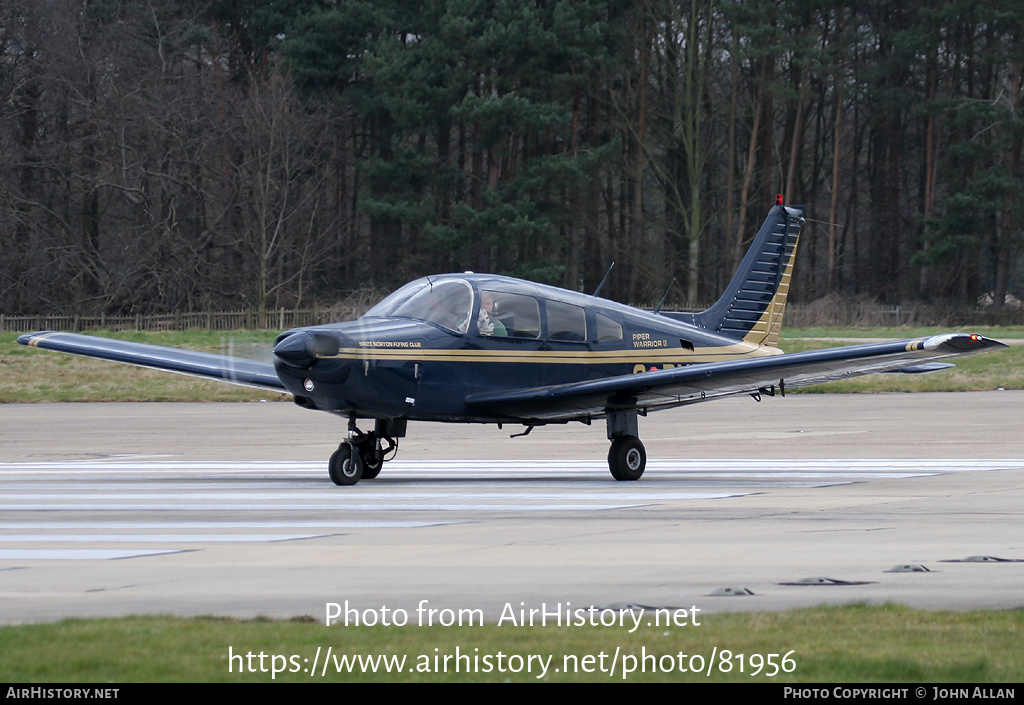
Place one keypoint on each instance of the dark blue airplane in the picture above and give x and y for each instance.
(481, 348)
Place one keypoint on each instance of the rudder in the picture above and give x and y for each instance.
(753, 304)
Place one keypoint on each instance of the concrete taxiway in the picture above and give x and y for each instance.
(115, 509)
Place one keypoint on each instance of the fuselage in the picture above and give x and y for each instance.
(425, 348)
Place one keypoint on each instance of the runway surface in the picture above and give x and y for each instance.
(225, 509)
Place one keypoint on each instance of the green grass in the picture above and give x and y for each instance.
(898, 331)
(28, 374)
(850, 644)
(999, 369)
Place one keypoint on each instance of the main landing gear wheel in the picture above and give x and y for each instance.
(627, 458)
(345, 467)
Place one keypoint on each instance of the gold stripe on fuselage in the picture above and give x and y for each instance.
(677, 356)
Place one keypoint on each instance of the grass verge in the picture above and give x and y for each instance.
(32, 375)
(999, 369)
(851, 644)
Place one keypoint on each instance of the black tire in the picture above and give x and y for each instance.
(627, 458)
(345, 467)
(372, 463)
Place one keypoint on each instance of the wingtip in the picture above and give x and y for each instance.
(32, 339)
(962, 342)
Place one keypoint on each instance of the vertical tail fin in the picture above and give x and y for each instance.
(752, 306)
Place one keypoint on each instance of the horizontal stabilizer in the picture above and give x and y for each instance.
(926, 367)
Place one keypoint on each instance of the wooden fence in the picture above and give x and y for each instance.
(279, 319)
(817, 313)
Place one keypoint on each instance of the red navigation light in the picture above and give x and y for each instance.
(778, 199)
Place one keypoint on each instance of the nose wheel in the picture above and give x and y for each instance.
(362, 455)
(355, 461)
(372, 460)
(345, 466)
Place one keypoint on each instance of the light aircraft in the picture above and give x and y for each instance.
(481, 348)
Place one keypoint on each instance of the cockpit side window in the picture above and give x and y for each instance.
(566, 322)
(446, 303)
(508, 315)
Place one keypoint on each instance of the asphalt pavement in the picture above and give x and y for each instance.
(226, 509)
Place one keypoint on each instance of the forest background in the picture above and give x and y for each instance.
(184, 155)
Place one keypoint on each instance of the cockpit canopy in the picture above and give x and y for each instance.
(500, 311)
(447, 303)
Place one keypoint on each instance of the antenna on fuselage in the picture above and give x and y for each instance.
(657, 309)
(598, 289)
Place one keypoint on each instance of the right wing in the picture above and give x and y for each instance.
(223, 368)
(662, 389)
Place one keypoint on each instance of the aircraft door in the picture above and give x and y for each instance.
(509, 327)
(565, 335)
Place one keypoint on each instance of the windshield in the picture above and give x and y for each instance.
(447, 303)
(389, 302)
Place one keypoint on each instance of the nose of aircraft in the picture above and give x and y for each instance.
(297, 349)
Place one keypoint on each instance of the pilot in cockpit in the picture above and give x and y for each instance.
(487, 321)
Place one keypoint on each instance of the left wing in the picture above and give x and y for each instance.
(701, 382)
(223, 368)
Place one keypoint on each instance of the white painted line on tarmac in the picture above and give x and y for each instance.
(79, 554)
(276, 505)
(99, 525)
(360, 495)
(489, 467)
(154, 538)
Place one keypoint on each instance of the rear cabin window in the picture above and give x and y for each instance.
(566, 322)
(607, 329)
